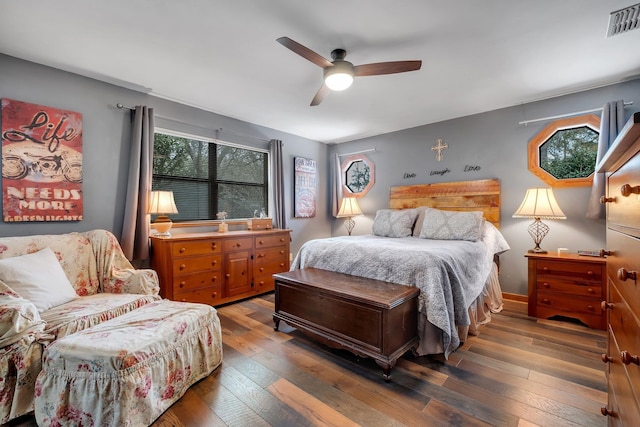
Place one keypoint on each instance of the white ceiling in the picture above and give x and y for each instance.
(222, 55)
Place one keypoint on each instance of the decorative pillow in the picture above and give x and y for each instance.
(451, 225)
(394, 223)
(39, 278)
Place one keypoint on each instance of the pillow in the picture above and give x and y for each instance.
(394, 223)
(451, 225)
(39, 278)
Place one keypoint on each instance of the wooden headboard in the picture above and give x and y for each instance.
(480, 195)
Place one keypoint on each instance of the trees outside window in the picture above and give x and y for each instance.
(208, 177)
(563, 154)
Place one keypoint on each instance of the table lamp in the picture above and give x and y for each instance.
(162, 204)
(539, 203)
(348, 209)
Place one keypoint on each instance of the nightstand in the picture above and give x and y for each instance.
(567, 285)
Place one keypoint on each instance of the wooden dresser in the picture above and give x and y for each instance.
(217, 268)
(622, 167)
(567, 285)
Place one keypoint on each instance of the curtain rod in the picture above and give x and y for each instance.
(218, 130)
(560, 116)
(357, 152)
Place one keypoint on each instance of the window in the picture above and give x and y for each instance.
(207, 177)
(563, 154)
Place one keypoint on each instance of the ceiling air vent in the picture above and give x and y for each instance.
(624, 20)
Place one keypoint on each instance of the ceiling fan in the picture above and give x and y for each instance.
(339, 74)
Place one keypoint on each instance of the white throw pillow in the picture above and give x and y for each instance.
(39, 278)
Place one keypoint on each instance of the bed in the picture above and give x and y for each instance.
(441, 238)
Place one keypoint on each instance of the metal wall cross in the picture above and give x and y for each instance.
(439, 149)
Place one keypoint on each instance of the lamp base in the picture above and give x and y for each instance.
(162, 225)
(537, 251)
(349, 224)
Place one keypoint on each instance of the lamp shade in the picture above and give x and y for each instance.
(162, 203)
(349, 207)
(539, 203)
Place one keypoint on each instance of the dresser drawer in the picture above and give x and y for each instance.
(238, 244)
(624, 327)
(189, 282)
(190, 265)
(210, 296)
(624, 211)
(195, 247)
(623, 385)
(625, 258)
(269, 241)
(587, 289)
(264, 282)
(268, 255)
(576, 272)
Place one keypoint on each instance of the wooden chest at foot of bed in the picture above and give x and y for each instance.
(367, 317)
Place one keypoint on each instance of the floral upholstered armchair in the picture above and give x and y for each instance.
(52, 286)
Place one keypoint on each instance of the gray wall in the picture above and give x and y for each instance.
(498, 144)
(494, 141)
(106, 146)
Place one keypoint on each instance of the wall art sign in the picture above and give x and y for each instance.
(41, 163)
(305, 183)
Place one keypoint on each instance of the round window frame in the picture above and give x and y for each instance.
(533, 152)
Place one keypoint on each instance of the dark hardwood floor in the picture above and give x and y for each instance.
(518, 372)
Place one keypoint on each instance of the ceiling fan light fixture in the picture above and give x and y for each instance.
(339, 77)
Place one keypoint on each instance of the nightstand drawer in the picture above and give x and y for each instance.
(573, 271)
(554, 285)
(569, 303)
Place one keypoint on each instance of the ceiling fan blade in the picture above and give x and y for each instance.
(305, 52)
(380, 68)
(320, 95)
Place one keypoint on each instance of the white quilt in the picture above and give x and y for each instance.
(449, 273)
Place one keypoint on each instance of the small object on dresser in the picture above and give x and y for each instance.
(562, 251)
(259, 224)
(590, 253)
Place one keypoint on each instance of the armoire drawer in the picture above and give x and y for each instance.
(624, 211)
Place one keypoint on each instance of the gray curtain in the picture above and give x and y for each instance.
(135, 231)
(275, 153)
(336, 188)
(611, 122)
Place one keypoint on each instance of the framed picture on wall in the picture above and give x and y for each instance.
(305, 187)
(41, 163)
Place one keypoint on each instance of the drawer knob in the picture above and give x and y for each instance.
(182, 284)
(227, 275)
(546, 285)
(605, 199)
(628, 359)
(546, 300)
(281, 239)
(624, 274)
(606, 305)
(261, 269)
(607, 412)
(589, 273)
(213, 263)
(182, 250)
(606, 358)
(545, 269)
(213, 246)
(182, 266)
(260, 242)
(282, 264)
(590, 290)
(261, 255)
(214, 278)
(627, 190)
(590, 307)
(214, 294)
(238, 245)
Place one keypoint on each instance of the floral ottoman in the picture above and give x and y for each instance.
(129, 370)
